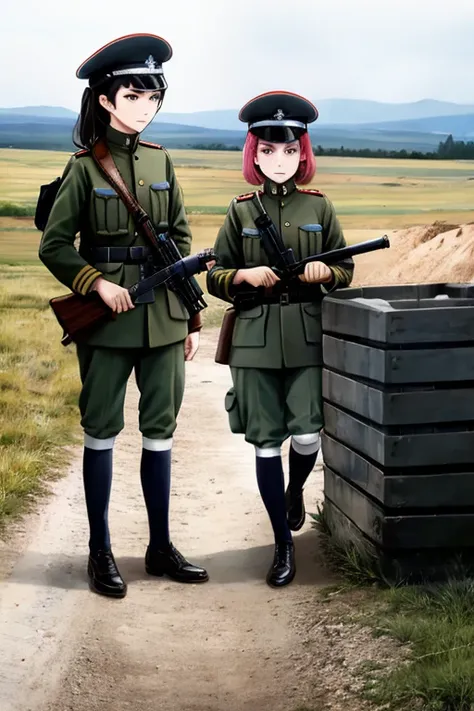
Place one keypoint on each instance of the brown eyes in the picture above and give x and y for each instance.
(134, 97)
(289, 152)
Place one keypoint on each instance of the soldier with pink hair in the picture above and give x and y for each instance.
(276, 352)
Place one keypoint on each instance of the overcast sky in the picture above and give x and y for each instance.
(227, 51)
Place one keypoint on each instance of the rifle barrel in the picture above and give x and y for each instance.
(338, 255)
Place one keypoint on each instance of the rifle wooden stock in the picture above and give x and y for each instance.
(79, 316)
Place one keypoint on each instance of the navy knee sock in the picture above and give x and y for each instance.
(271, 484)
(301, 466)
(155, 473)
(97, 476)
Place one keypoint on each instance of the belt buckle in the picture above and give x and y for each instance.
(136, 253)
(284, 299)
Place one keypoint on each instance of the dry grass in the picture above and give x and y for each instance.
(367, 193)
(38, 388)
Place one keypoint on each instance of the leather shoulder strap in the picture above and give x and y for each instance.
(106, 164)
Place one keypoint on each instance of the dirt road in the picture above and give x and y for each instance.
(231, 644)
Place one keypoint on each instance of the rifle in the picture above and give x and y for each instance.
(287, 268)
(80, 316)
(283, 259)
(162, 246)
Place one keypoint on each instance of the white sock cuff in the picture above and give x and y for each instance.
(98, 444)
(267, 452)
(157, 445)
(306, 443)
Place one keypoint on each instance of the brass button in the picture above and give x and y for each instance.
(287, 224)
(282, 204)
(141, 182)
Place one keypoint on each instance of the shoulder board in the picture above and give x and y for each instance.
(311, 192)
(150, 145)
(242, 198)
(82, 152)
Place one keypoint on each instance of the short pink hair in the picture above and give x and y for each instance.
(254, 175)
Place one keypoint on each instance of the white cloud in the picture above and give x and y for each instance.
(226, 51)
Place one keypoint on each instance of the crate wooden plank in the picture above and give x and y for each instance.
(401, 566)
(372, 314)
(407, 489)
(385, 406)
(402, 366)
(394, 532)
(438, 447)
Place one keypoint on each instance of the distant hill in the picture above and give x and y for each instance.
(51, 128)
(460, 126)
(55, 133)
(47, 111)
(345, 111)
(331, 111)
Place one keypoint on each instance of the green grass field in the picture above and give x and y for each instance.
(367, 193)
(39, 382)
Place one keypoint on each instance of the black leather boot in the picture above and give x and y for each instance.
(283, 567)
(295, 509)
(104, 576)
(170, 562)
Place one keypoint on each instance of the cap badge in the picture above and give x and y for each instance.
(279, 115)
(150, 62)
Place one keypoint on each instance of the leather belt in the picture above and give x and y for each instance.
(297, 295)
(125, 255)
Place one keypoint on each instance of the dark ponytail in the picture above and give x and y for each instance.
(93, 118)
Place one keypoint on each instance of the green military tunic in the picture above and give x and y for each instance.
(86, 204)
(149, 338)
(276, 353)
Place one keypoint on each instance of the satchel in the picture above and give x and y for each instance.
(224, 343)
(46, 198)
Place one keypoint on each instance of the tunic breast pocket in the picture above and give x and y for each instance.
(310, 240)
(111, 215)
(159, 201)
(251, 246)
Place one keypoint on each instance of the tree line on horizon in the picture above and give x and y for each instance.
(447, 150)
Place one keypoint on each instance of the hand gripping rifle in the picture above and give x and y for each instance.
(164, 250)
(284, 263)
(80, 316)
(283, 259)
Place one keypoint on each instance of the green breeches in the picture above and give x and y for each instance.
(159, 374)
(270, 405)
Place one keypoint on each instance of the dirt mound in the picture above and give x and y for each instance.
(439, 252)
